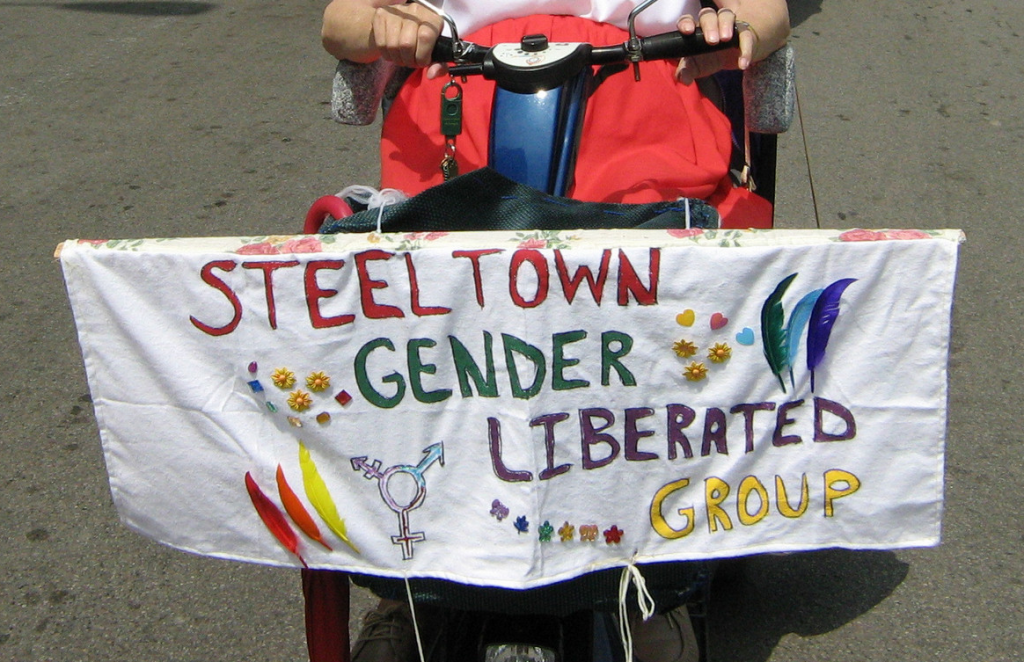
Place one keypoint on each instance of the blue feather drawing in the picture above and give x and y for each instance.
(816, 311)
(797, 321)
(822, 319)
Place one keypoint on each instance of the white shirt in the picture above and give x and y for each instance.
(471, 15)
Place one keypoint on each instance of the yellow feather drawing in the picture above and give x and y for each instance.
(316, 492)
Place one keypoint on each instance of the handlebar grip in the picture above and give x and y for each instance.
(444, 51)
(447, 51)
(672, 45)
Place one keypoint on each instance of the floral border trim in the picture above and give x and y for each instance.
(537, 239)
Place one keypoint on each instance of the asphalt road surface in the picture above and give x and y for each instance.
(176, 118)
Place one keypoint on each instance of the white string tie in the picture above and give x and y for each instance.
(372, 198)
(415, 623)
(631, 574)
(687, 201)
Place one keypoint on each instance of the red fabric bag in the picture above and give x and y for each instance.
(642, 142)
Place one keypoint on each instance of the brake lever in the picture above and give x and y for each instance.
(633, 48)
(458, 49)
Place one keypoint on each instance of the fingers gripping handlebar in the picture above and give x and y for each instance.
(445, 51)
(674, 45)
(534, 64)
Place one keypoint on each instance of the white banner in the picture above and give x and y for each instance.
(514, 409)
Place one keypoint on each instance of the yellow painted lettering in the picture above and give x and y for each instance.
(661, 526)
(838, 484)
(716, 491)
(751, 485)
(782, 499)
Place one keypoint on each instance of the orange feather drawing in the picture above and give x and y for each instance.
(297, 511)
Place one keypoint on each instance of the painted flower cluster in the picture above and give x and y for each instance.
(298, 400)
(566, 532)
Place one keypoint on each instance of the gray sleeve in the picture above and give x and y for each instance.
(769, 92)
(359, 89)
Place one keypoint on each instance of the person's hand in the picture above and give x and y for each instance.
(405, 34)
(717, 26)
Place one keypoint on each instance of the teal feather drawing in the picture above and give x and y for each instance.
(797, 321)
(773, 331)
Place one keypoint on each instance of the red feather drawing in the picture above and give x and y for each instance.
(273, 517)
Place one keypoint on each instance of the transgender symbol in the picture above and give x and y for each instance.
(405, 537)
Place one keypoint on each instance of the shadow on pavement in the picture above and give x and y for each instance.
(758, 600)
(801, 10)
(144, 8)
(128, 8)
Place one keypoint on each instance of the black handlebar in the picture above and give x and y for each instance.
(468, 59)
(672, 45)
(444, 52)
(666, 46)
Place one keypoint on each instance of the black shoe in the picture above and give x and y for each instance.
(387, 636)
(665, 637)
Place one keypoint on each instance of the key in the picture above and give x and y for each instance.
(449, 166)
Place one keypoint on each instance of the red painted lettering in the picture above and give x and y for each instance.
(414, 294)
(314, 293)
(207, 275)
(268, 284)
(629, 282)
(540, 266)
(570, 285)
(474, 258)
(372, 309)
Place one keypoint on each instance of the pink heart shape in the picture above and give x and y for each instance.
(718, 320)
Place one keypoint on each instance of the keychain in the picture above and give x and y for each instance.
(451, 127)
